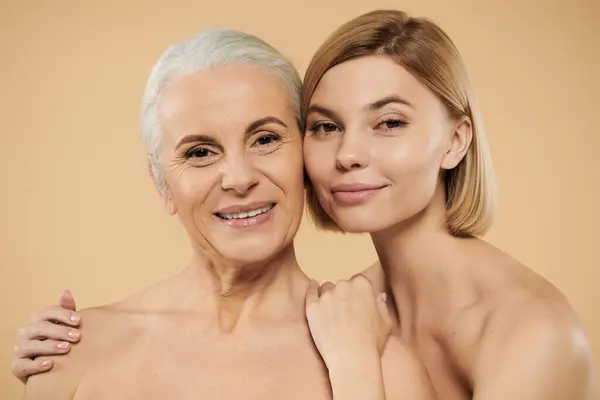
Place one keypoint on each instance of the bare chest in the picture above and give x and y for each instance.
(223, 371)
(444, 370)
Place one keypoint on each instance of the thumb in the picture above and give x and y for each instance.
(67, 301)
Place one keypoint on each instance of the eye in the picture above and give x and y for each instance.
(266, 139)
(323, 128)
(391, 124)
(199, 152)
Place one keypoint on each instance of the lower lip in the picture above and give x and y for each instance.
(250, 222)
(354, 198)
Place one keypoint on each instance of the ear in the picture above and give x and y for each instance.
(162, 190)
(459, 143)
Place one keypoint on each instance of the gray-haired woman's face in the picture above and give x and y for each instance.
(232, 156)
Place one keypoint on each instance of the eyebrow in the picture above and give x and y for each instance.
(210, 140)
(315, 108)
(195, 138)
(387, 100)
(264, 121)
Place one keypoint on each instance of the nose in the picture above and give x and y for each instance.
(353, 151)
(239, 175)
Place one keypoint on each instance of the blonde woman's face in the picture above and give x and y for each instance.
(376, 142)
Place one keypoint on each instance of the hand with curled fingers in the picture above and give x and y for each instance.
(51, 332)
(350, 325)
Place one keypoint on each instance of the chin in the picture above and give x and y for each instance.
(252, 250)
(361, 222)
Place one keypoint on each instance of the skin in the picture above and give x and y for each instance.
(485, 326)
(232, 320)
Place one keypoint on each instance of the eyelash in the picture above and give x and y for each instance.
(192, 153)
(401, 123)
(315, 127)
(273, 136)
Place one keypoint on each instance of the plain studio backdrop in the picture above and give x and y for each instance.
(78, 211)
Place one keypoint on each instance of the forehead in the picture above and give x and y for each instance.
(365, 80)
(223, 97)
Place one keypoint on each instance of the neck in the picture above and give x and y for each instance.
(273, 289)
(422, 263)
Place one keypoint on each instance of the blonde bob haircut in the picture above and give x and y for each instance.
(427, 52)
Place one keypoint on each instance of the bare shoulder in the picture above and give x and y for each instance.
(537, 345)
(104, 330)
(544, 325)
(530, 333)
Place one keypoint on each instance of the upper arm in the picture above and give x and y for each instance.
(541, 355)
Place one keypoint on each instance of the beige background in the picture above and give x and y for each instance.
(77, 210)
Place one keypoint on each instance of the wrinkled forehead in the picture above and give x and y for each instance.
(222, 99)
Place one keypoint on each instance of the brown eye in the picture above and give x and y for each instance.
(329, 127)
(321, 128)
(266, 139)
(391, 124)
(199, 152)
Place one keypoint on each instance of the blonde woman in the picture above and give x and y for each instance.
(394, 146)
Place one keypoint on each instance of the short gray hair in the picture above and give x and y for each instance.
(209, 49)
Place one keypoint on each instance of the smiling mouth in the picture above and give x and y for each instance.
(246, 214)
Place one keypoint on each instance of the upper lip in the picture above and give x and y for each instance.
(355, 187)
(240, 208)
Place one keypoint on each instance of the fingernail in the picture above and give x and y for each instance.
(73, 334)
(75, 318)
(63, 346)
(46, 363)
(384, 296)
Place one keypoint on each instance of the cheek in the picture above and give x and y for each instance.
(319, 161)
(190, 187)
(285, 170)
(415, 161)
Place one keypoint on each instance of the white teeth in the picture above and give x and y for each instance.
(246, 214)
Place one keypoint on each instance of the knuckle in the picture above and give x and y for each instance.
(18, 368)
(37, 330)
(14, 366)
(38, 316)
(31, 331)
(361, 281)
(342, 283)
(343, 287)
(24, 348)
(60, 313)
(326, 296)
